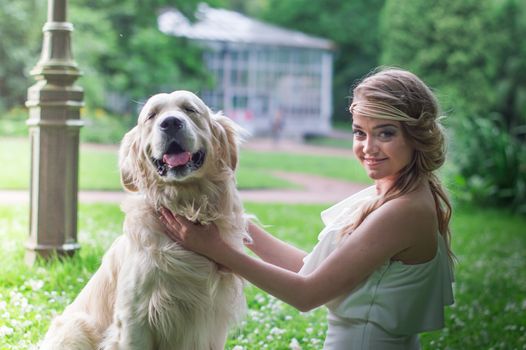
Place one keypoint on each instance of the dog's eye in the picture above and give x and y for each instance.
(189, 109)
(151, 115)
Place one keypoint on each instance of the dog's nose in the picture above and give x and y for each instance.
(171, 124)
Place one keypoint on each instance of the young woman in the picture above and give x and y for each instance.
(382, 265)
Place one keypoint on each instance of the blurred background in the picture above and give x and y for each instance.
(288, 67)
(284, 69)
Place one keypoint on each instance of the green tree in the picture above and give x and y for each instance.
(20, 29)
(510, 86)
(449, 43)
(469, 52)
(121, 50)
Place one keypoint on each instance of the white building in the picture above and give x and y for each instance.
(263, 73)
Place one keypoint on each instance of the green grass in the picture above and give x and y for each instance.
(99, 126)
(490, 288)
(98, 168)
(330, 142)
(14, 154)
(254, 178)
(323, 165)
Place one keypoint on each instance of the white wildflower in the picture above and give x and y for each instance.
(294, 345)
(277, 331)
(4, 330)
(260, 298)
(315, 341)
(35, 284)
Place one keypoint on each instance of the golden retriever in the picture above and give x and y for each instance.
(149, 293)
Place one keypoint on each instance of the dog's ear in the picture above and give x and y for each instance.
(128, 157)
(230, 135)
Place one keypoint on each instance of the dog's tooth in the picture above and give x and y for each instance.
(161, 170)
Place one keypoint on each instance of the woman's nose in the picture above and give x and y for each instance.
(370, 146)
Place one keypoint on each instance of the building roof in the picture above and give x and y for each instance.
(228, 26)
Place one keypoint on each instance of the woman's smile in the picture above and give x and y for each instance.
(373, 162)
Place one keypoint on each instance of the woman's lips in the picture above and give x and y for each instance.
(373, 161)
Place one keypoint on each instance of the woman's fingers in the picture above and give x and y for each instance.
(170, 218)
(169, 230)
(167, 214)
(172, 224)
(177, 226)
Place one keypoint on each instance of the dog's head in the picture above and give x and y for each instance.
(177, 140)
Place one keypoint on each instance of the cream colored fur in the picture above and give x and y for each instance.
(149, 293)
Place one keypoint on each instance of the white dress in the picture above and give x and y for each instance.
(394, 304)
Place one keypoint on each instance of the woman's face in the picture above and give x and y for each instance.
(381, 147)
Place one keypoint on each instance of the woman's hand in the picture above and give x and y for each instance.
(202, 239)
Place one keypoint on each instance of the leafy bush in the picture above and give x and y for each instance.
(13, 122)
(101, 127)
(473, 75)
(488, 164)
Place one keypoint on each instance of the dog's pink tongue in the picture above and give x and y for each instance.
(174, 160)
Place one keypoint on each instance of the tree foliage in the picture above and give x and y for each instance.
(469, 52)
(128, 55)
(449, 43)
(19, 48)
(116, 44)
(510, 85)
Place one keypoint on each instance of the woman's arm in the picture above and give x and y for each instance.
(273, 250)
(386, 232)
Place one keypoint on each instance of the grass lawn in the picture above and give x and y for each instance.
(98, 168)
(341, 168)
(490, 288)
(330, 142)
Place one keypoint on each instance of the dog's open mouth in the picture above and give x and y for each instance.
(177, 159)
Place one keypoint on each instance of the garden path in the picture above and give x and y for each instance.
(314, 189)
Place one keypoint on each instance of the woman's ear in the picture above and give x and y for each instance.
(230, 135)
(128, 156)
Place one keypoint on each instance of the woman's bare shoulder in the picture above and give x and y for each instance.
(408, 206)
(406, 216)
(398, 229)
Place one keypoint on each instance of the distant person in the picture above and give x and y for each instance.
(277, 126)
(383, 263)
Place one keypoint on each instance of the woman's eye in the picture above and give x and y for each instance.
(386, 134)
(358, 133)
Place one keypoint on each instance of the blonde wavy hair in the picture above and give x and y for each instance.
(396, 94)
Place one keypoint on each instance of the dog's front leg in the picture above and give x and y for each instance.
(128, 335)
(130, 329)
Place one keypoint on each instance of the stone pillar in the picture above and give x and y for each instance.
(54, 123)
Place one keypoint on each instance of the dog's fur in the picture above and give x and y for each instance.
(149, 293)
